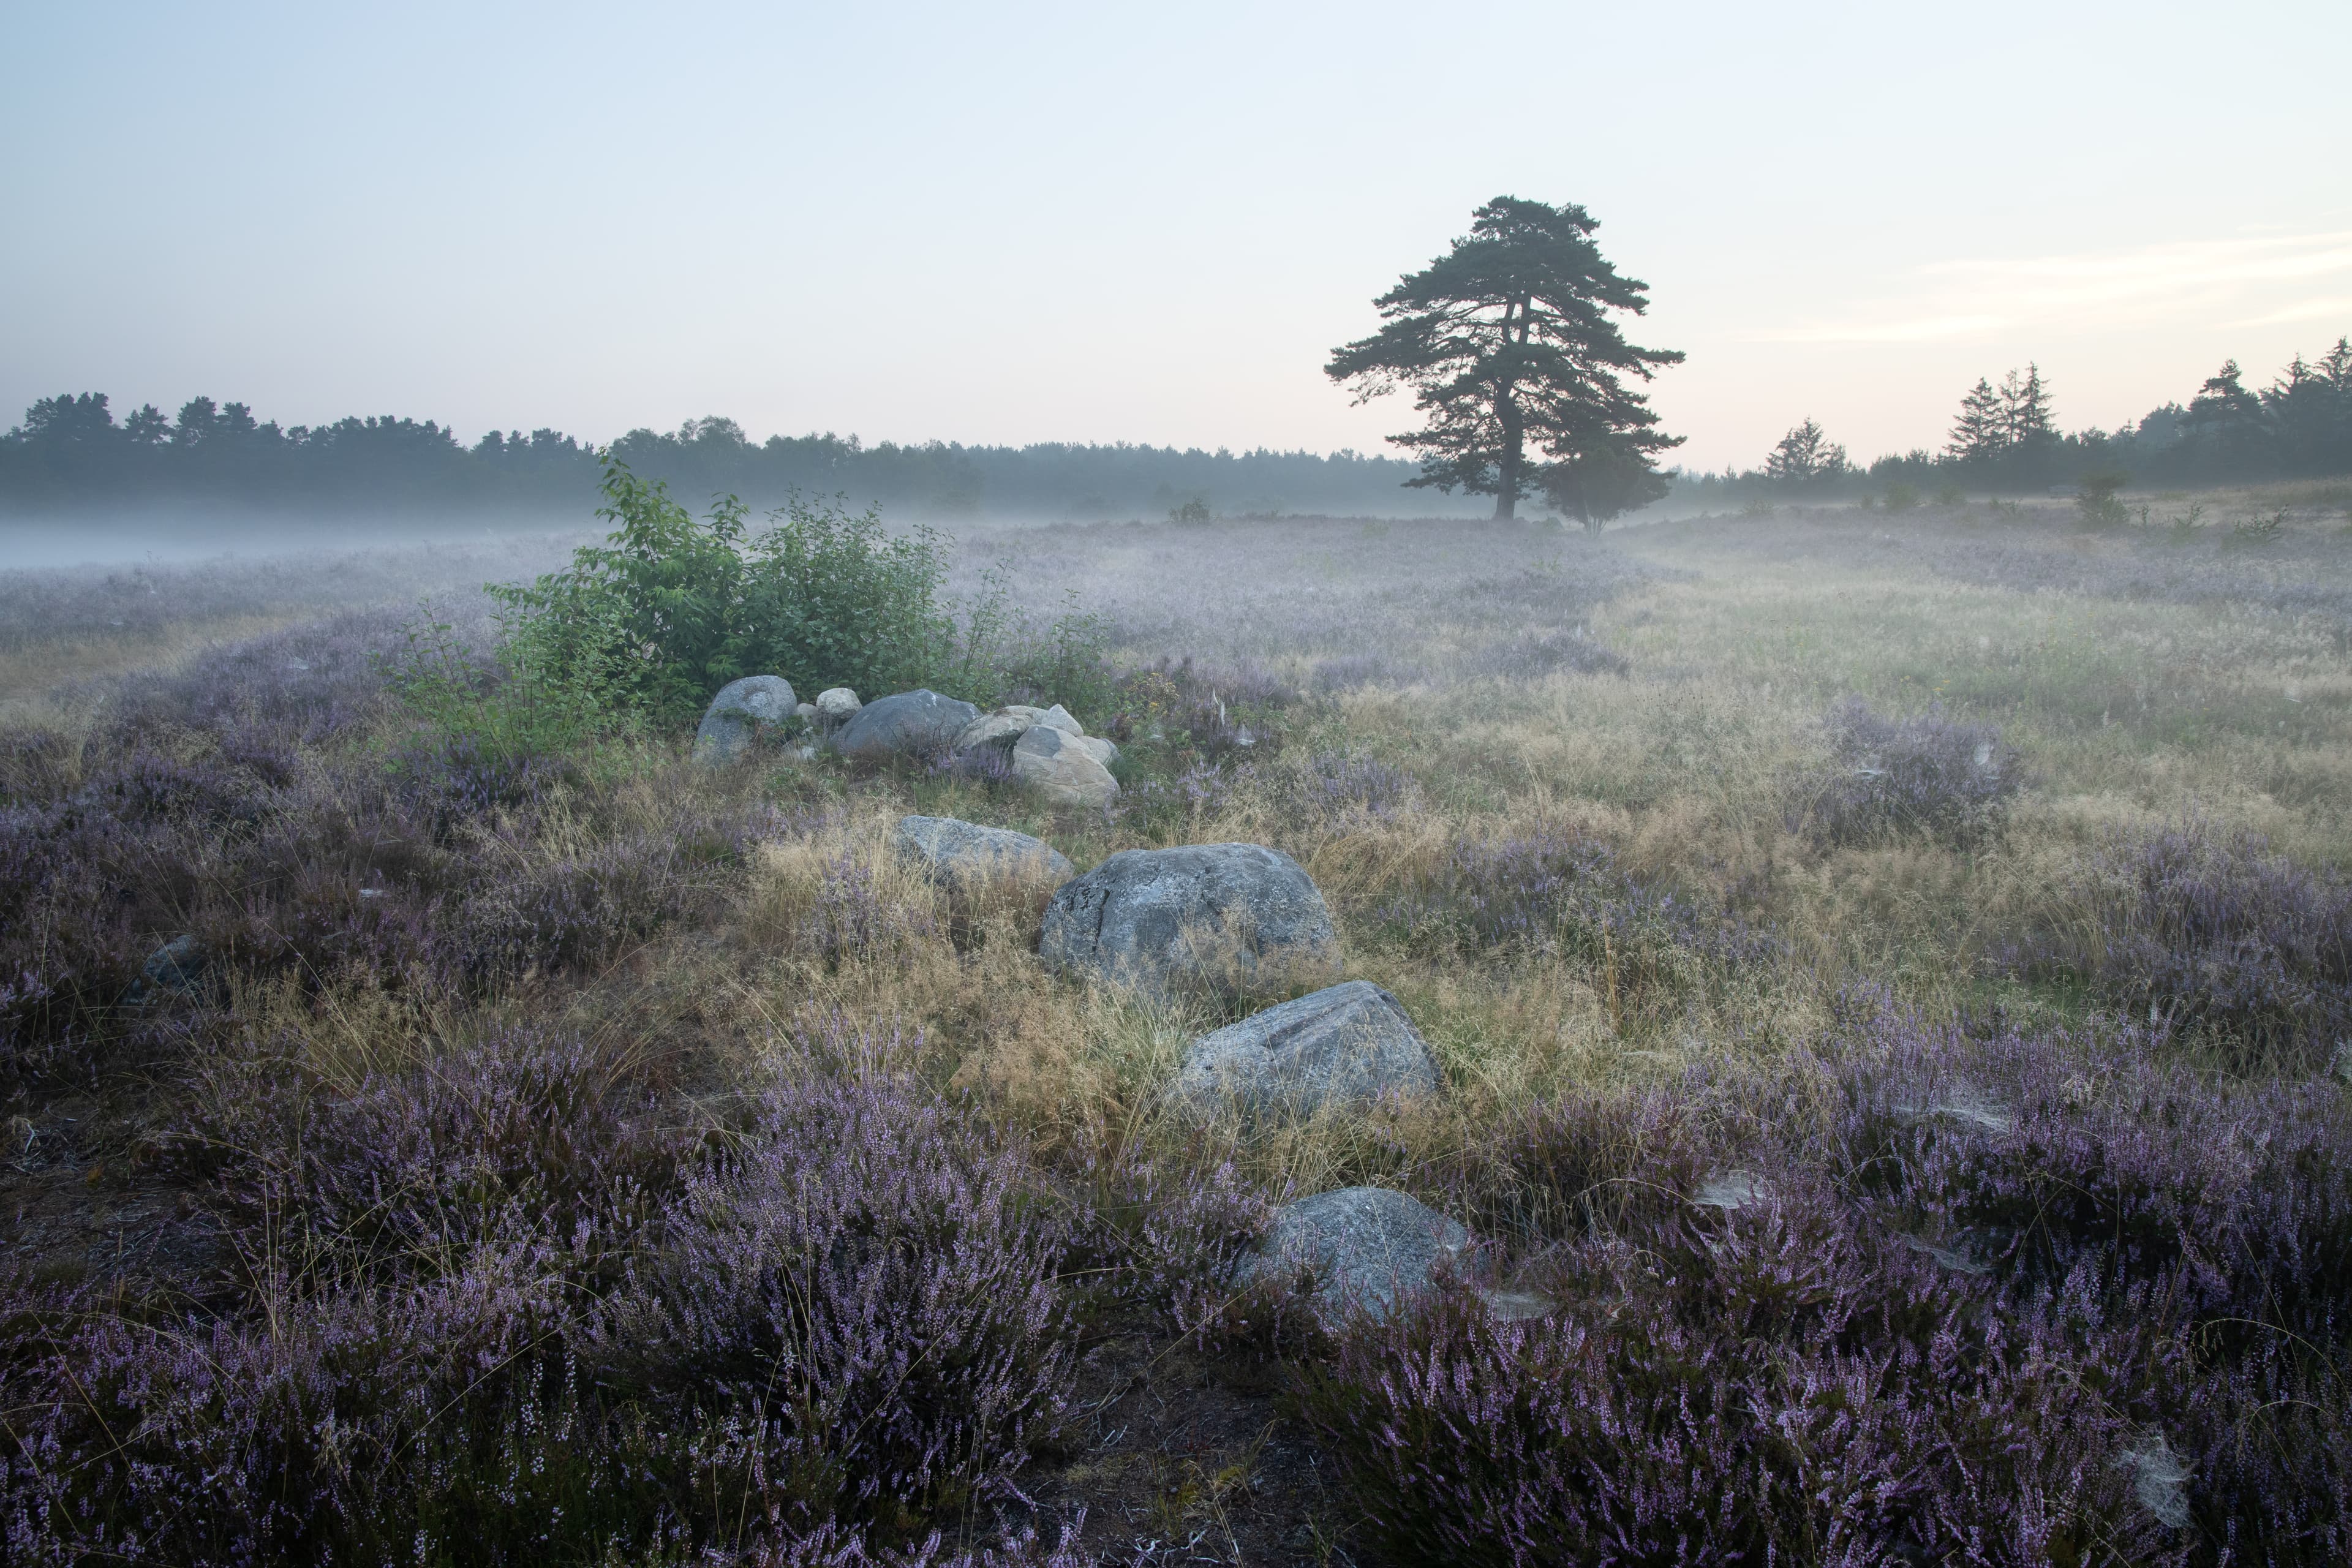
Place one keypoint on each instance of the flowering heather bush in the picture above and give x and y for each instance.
(862, 1298)
(2220, 1213)
(829, 1340)
(1927, 774)
(2006, 1300)
(1167, 1236)
(517, 1132)
(1872, 1420)
(2206, 930)
(320, 1434)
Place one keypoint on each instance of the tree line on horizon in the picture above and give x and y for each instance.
(2006, 438)
(72, 454)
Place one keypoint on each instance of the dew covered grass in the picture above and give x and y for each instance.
(572, 1154)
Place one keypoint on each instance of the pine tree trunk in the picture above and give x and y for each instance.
(1506, 482)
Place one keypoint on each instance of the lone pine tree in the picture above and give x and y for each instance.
(1508, 344)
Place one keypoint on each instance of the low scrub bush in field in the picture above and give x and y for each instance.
(653, 621)
(668, 609)
(2198, 928)
(419, 1163)
(842, 1328)
(1928, 773)
(1980, 1297)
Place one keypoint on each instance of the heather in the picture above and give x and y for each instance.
(1887, 1025)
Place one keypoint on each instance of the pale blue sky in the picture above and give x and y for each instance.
(1105, 222)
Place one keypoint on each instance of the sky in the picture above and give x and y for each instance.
(1112, 221)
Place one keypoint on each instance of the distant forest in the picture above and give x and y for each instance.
(2006, 438)
(72, 454)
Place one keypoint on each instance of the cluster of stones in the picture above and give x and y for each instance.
(1043, 747)
(1235, 918)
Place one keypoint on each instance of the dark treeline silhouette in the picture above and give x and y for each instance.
(2006, 438)
(72, 454)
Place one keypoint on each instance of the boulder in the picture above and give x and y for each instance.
(919, 723)
(953, 851)
(808, 711)
(1002, 729)
(1058, 718)
(181, 967)
(837, 704)
(1226, 916)
(1349, 1045)
(1063, 768)
(740, 711)
(1367, 1250)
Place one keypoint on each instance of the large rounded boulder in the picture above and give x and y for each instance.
(739, 713)
(1236, 917)
(1346, 1046)
(919, 723)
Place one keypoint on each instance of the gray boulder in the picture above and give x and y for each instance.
(740, 711)
(1065, 768)
(1002, 729)
(837, 704)
(1236, 917)
(181, 967)
(953, 851)
(1367, 1250)
(1349, 1045)
(919, 723)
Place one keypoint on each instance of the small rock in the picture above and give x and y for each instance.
(1237, 917)
(806, 712)
(919, 723)
(178, 968)
(837, 704)
(1349, 1045)
(1060, 767)
(1058, 718)
(954, 851)
(1368, 1250)
(742, 709)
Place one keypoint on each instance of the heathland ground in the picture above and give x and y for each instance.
(1974, 875)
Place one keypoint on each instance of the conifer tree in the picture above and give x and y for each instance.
(1805, 455)
(1980, 434)
(1508, 343)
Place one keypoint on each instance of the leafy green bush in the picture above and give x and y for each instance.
(1901, 497)
(668, 609)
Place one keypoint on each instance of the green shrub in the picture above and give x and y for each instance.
(647, 625)
(668, 609)
(1901, 497)
(506, 712)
